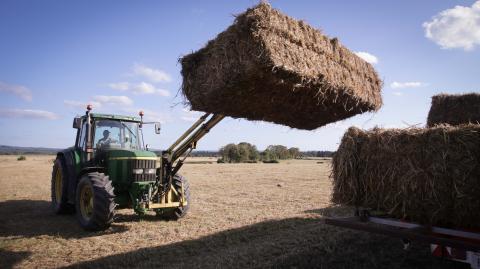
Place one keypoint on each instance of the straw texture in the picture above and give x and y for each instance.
(268, 66)
(454, 109)
(429, 175)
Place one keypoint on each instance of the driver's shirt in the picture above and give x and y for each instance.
(104, 141)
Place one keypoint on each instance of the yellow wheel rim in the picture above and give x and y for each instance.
(58, 186)
(86, 202)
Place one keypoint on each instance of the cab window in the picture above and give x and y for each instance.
(82, 138)
(116, 134)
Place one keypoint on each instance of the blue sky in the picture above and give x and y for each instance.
(122, 56)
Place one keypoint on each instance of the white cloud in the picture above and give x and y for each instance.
(143, 88)
(409, 84)
(122, 86)
(398, 93)
(81, 105)
(99, 101)
(162, 92)
(139, 88)
(369, 58)
(149, 115)
(28, 114)
(458, 27)
(154, 75)
(18, 90)
(147, 88)
(113, 100)
(156, 116)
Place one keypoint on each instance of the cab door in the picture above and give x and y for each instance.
(80, 147)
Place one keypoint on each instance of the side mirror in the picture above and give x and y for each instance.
(157, 127)
(77, 122)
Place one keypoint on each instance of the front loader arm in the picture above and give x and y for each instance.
(185, 144)
(191, 141)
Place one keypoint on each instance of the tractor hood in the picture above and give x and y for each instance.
(127, 166)
(122, 154)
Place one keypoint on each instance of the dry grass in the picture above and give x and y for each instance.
(242, 215)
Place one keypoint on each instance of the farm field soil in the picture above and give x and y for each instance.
(241, 216)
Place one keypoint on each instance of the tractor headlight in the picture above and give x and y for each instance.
(150, 171)
(138, 171)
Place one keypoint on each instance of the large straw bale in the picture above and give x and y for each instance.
(268, 66)
(431, 176)
(454, 109)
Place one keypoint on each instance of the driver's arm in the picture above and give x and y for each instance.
(100, 142)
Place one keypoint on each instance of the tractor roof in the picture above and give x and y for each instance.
(114, 117)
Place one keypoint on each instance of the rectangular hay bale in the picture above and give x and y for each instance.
(454, 109)
(268, 66)
(431, 176)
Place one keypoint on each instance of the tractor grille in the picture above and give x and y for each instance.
(144, 164)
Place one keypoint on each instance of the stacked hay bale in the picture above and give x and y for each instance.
(268, 66)
(454, 109)
(427, 175)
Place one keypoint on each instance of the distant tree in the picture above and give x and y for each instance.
(269, 154)
(243, 152)
(325, 153)
(294, 152)
(229, 153)
(278, 152)
(204, 153)
(248, 151)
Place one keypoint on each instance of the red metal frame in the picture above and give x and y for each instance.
(455, 244)
(460, 239)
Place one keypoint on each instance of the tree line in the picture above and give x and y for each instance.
(246, 152)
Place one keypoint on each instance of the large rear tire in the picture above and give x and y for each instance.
(94, 202)
(181, 211)
(59, 188)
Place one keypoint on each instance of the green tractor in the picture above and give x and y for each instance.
(109, 167)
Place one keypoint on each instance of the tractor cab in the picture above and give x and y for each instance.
(108, 132)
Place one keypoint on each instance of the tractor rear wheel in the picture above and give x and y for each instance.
(94, 202)
(59, 188)
(181, 211)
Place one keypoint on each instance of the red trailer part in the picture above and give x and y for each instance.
(454, 244)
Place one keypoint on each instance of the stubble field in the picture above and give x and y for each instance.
(241, 216)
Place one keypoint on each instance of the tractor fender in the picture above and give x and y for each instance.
(90, 169)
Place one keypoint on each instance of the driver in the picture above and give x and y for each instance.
(106, 140)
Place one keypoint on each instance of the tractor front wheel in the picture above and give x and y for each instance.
(94, 202)
(59, 188)
(181, 211)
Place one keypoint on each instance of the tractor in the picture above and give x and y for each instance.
(110, 167)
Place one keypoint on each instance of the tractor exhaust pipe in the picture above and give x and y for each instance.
(89, 146)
